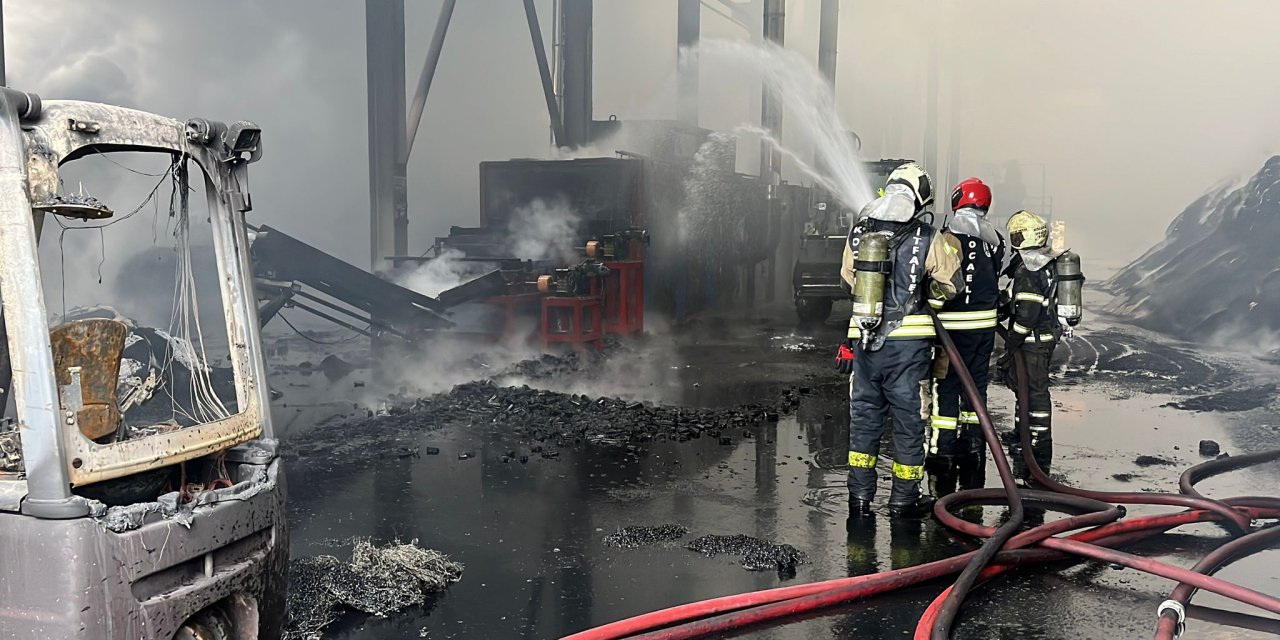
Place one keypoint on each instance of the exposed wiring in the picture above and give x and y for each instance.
(126, 168)
(310, 339)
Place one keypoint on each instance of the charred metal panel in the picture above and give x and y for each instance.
(137, 584)
(488, 285)
(94, 346)
(279, 256)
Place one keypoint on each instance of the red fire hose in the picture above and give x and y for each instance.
(1004, 550)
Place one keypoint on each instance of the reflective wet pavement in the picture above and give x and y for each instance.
(530, 534)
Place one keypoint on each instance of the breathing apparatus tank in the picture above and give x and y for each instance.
(1070, 284)
(871, 268)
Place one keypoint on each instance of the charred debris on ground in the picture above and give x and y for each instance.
(544, 419)
(539, 415)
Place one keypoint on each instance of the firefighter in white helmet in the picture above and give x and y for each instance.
(1034, 326)
(893, 261)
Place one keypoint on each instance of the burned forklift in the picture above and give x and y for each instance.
(199, 549)
(815, 278)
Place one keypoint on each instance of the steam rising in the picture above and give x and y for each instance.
(445, 272)
(545, 230)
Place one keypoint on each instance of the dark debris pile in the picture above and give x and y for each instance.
(756, 554)
(547, 365)
(1151, 461)
(636, 536)
(378, 580)
(571, 419)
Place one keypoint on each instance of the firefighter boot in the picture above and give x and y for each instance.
(942, 475)
(859, 508)
(862, 488)
(971, 470)
(906, 501)
(1042, 447)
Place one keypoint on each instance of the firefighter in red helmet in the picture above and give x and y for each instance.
(956, 450)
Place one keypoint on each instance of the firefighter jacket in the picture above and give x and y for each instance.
(1033, 298)
(975, 304)
(926, 263)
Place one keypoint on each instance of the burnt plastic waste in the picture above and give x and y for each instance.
(636, 536)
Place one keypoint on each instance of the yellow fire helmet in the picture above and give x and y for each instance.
(1027, 230)
(914, 177)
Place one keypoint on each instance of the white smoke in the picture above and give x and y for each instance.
(545, 230)
(445, 272)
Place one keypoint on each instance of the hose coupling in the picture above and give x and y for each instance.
(1178, 610)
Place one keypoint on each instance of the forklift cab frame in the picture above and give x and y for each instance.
(67, 575)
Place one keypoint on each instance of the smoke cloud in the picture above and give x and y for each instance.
(445, 272)
(545, 230)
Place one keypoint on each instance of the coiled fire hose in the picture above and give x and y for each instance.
(1103, 524)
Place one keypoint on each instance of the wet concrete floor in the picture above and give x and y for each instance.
(530, 534)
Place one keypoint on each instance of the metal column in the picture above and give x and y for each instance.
(388, 195)
(828, 33)
(688, 29)
(931, 106)
(35, 389)
(4, 77)
(575, 21)
(770, 156)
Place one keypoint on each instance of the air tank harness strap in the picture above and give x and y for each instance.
(913, 327)
(873, 266)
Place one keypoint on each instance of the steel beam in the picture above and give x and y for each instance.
(4, 78)
(544, 72)
(688, 31)
(388, 194)
(931, 106)
(428, 73)
(575, 21)
(771, 155)
(828, 33)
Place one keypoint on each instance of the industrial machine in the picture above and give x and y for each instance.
(815, 278)
(206, 560)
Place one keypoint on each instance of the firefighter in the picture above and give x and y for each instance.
(957, 452)
(893, 261)
(1034, 327)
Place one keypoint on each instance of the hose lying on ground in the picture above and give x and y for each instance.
(1102, 524)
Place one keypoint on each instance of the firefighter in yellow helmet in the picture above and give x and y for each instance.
(893, 261)
(1031, 303)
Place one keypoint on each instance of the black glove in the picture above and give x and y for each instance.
(844, 359)
(1004, 310)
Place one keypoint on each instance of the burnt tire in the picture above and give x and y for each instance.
(813, 310)
(209, 624)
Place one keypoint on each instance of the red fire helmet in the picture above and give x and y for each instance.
(971, 193)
